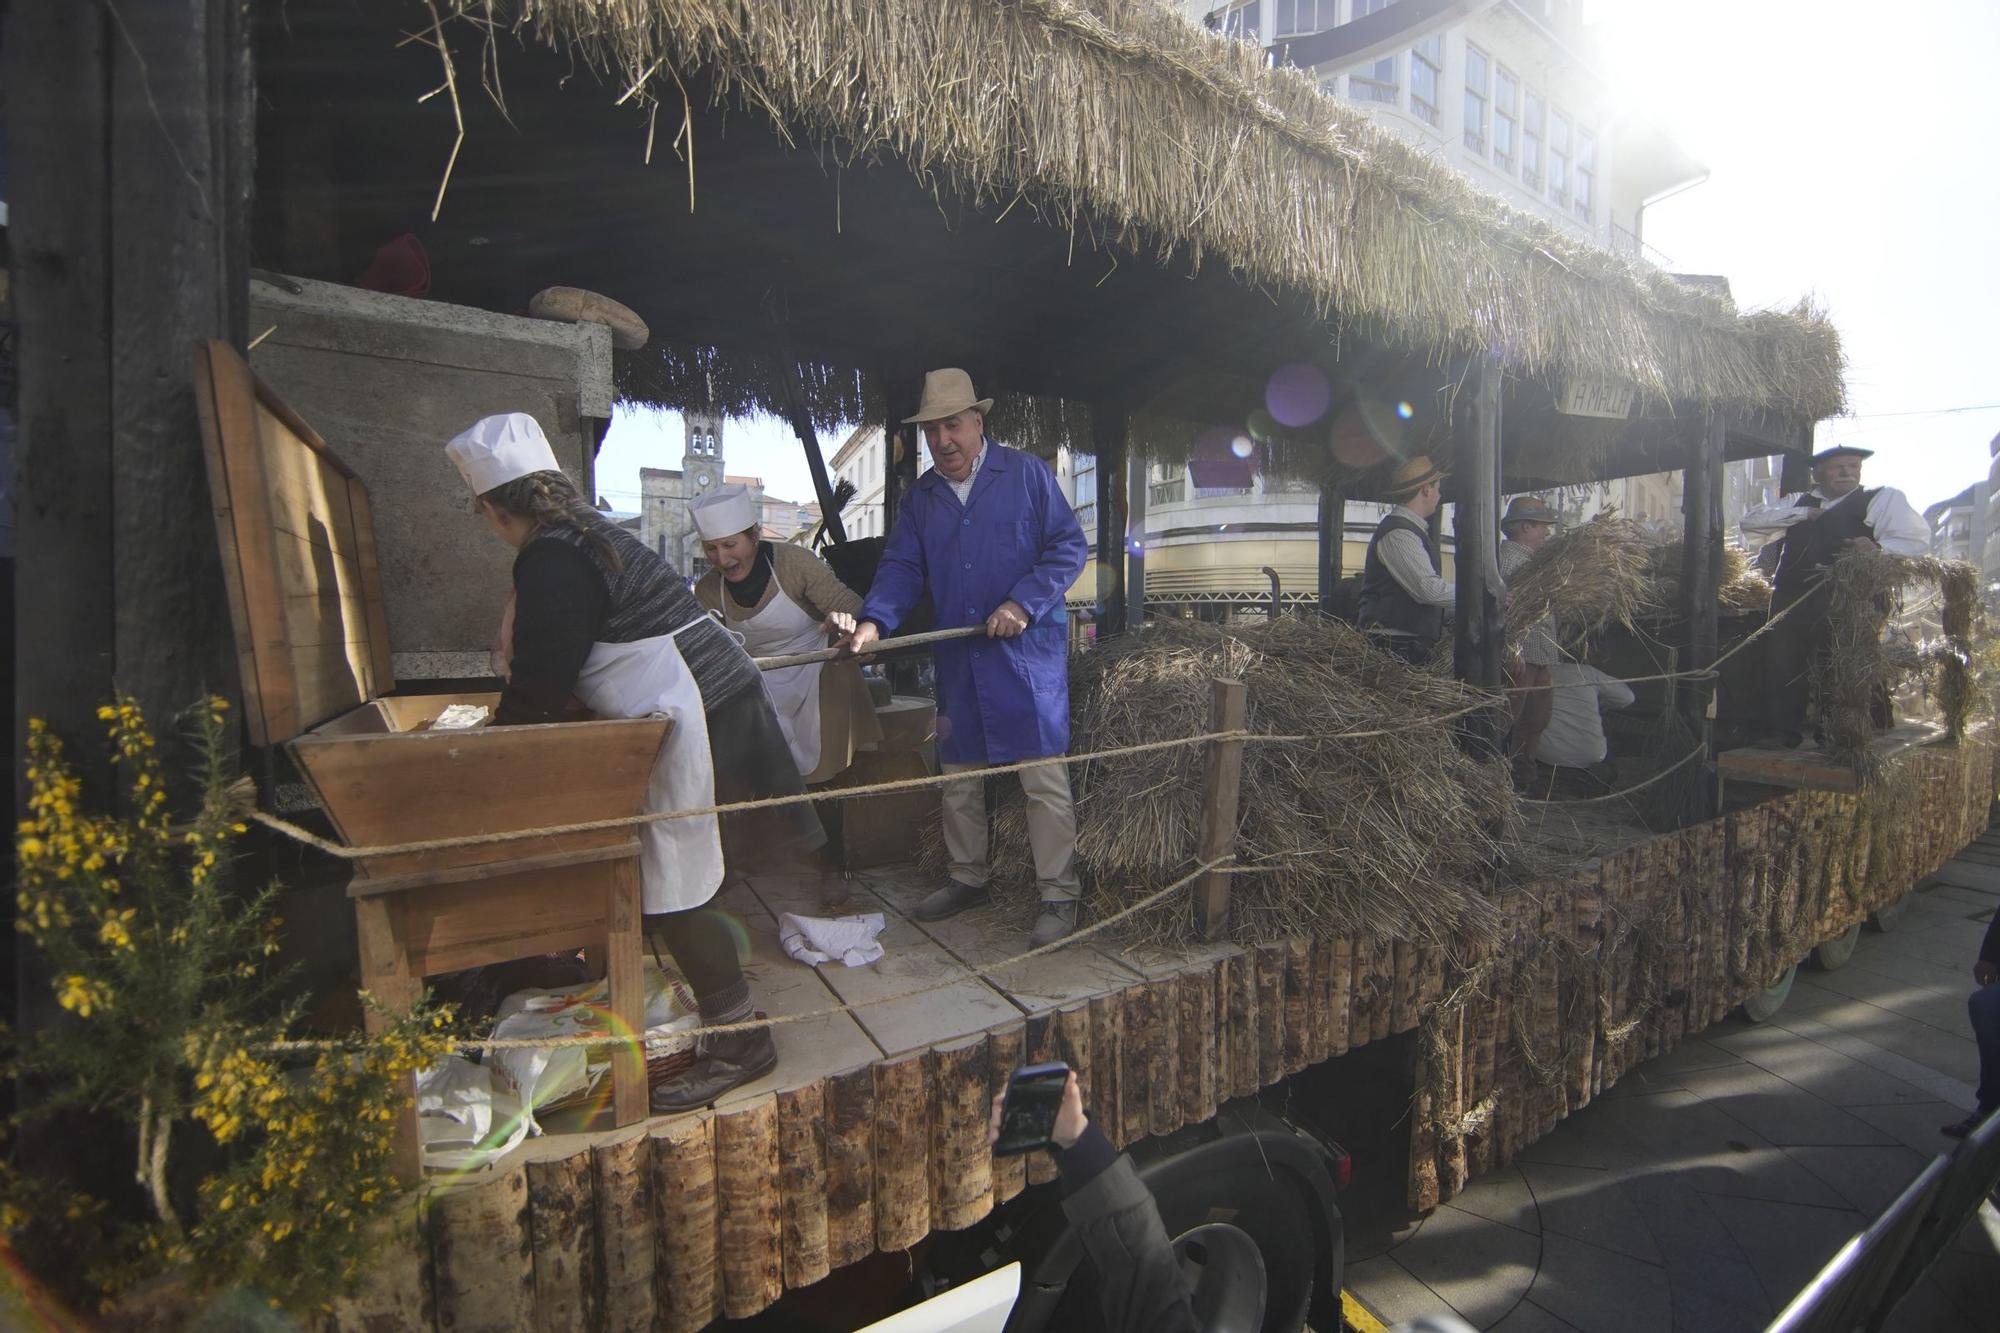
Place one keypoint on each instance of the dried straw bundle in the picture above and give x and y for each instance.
(1594, 575)
(1118, 121)
(1391, 833)
(1739, 586)
(1861, 665)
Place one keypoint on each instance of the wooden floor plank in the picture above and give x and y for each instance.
(982, 936)
(912, 961)
(1811, 768)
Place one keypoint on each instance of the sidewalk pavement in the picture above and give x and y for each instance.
(1709, 1186)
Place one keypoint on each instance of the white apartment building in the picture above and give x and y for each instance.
(861, 459)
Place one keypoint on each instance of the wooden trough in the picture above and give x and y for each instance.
(305, 595)
(871, 1133)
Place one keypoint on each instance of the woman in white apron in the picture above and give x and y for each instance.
(782, 599)
(598, 617)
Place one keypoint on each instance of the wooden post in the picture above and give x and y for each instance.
(1135, 541)
(1107, 430)
(626, 972)
(1332, 544)
(801, 421)
(1701, 566)
(1475, 527)
(1222, 779)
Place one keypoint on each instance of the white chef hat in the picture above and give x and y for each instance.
(724, 512)
(493, 451)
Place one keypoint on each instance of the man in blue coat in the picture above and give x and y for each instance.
(988, 531)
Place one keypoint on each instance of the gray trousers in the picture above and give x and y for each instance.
(1051, 829)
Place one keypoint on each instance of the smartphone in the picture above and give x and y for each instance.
(1028, 1116)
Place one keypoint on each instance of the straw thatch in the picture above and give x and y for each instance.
(1123, 124)
(1596, 574)
(1393, 833)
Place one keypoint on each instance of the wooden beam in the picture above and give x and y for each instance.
(1222, 782)
(1475, 527)
(1332, 545)
(1136, 476)
(1701, 562)
(1108, 439)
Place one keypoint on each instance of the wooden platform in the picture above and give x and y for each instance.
(1809, 768)
(870, 1134)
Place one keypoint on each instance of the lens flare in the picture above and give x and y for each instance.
(1405, 411)
(1297, 394)
(1242, 446)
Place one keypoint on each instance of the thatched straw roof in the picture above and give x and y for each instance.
(1140, 132)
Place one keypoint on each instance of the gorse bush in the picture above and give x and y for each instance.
(177, 1027)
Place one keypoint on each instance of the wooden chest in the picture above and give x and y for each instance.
(305, 592)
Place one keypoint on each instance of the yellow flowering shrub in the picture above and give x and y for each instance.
(164, 964)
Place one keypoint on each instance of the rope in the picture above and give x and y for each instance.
(1221, 865)
(1678, 764)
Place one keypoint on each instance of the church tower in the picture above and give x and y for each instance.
(701, 462)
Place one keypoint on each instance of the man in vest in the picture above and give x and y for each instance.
(1811, 530)
(1403, 601)
(1525, 528)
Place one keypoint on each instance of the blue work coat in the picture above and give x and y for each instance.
(999, 700)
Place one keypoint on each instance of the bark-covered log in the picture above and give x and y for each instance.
(1006, 1051)
(1242, 1025)
(961, 1163)
(802, 1178)
(481, 1256)
(688, 1288)
(1298, 1006)
(1339, 994)
(1107, 1048)
(850, 1167)
(749, 1207)
(1270, 966)
(621, 1171)
(394, 1290)
(1199, 1057)
(902, 1151)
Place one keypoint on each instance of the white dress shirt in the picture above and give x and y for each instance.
(963, 489)
(1403, 555)
(1899, 528)
(1574, 737)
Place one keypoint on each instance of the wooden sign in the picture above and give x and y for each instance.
(1586, 396)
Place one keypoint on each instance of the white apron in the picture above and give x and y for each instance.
(783, 627)
(680, 860)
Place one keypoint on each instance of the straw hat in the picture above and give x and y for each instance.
(724, 513)
(947, 393)
(1528, 509)
(495, 450)
(1411, 477)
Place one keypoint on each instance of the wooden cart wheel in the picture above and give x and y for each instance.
(1834, 953)
(1765, 1004)
(1886, 917)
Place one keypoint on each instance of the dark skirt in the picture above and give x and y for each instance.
(752, 762)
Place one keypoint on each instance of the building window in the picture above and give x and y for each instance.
(1168, 484)
(1558, 157)
(1476, 95)
(1426, 78)
(1376, 82)
(1506, 118)
(1583, 179)
(1244, 23)
(1297, 17)
(1531, 140)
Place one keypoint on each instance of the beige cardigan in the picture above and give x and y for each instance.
(847, 720)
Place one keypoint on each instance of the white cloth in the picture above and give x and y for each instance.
(493, 451)
(680, 860)
(546, 1074)
(783, 627)
(1574, 737)
(1899, 528)
(1402, 554)
(963, 489)
(724, 513)
(465, 1118)
(822, 939)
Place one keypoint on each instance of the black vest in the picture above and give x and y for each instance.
(1384, 602)
(1808, 550)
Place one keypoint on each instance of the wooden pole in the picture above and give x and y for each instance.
(802, 426)
(1332, 545)
(1108, 438)
(1222, 779)
(1135, 541)
(1477, 502)
(881, 646)
(1701, 566)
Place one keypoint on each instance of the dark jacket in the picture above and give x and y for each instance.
(1808, 550)
(1989, 948)
(1139, 1280)
(1385, 603)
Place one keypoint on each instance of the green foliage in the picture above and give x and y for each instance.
(178, 1025)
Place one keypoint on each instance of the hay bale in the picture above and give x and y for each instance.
(1596, 574)
(1863, 664)
(1740, 587)
(1392, 834)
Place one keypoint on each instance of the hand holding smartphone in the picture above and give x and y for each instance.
(1040, 1107)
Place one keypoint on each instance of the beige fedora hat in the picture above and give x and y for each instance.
(947, 393)
(1528, 509)
(1411, 477)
